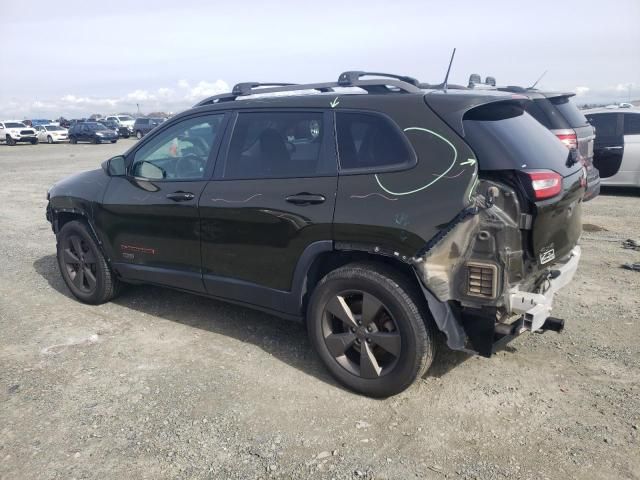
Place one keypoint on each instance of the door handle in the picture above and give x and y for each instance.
(305, 199)
(612, 148)
(180, 196)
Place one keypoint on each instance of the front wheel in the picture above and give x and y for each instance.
(10, 141)
(73, 140)
(49, 139)
(34, 141)
(371, 328)
(83, 266)
(138, 134)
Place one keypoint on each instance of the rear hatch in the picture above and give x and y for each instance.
(510, 144)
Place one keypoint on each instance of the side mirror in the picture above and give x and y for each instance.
(115, 167)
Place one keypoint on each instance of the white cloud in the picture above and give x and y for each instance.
(581, 91)
(163, 99)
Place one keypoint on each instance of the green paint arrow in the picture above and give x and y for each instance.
(470, 161)
(334, 103)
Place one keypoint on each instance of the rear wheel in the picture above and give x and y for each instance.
(371, 329)
(96, 140)
(49, 139)
(83, 266)
(73, 140)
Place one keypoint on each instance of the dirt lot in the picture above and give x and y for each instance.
(161, 384)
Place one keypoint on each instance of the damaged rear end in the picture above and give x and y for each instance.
(492, 272)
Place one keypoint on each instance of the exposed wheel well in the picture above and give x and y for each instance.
(60, 218)
(329, 261)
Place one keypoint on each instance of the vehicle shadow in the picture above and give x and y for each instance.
(283, 339)
(620, 191)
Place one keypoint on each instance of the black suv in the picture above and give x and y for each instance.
(558, 113)
(142, 126)
(93, 132)
(376, 214)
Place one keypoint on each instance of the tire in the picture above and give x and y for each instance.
(10, 141)
(139, 134)
(114, 141)
(126, 135)
(96, 140)
(49, 139)
(402, 323)
(35, 141)
(99, 287)
(73, 140)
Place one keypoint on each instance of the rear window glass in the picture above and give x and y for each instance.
(569, 111)
(605, 124)
(370, 141)
(632, 123)
(505, 137)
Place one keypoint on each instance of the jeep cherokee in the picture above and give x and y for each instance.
(376, 211)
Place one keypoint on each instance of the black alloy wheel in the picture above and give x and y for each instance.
(361, 334)
(80, 263)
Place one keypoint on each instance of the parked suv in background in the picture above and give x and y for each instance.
(125, 122)
(142, 126)
(93, 132)
(558, 113)
(617, 146)
(12, 132)
(375, 218)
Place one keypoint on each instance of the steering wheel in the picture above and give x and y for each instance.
(190, 166)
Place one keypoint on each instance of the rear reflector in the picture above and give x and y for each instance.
(545, 183)
(569, 138)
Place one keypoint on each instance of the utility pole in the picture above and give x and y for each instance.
(138, 105)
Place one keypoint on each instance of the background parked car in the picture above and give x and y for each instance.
(51, 133)
(142, 126)
(617, 145)
(126, 123)
(111, 125)
(93, 132)
(12, 132)
(558, 113)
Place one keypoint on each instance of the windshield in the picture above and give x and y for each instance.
(14, 125)
(569, 111)
(96, 126)
(125, 118)
(505, 137)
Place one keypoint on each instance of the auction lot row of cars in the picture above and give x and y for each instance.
(378, 211)
(101, 131)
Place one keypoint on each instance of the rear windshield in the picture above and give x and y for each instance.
(505, 137)
(569, 111)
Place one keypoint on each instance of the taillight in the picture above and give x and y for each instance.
(545, 183)
(569, 138)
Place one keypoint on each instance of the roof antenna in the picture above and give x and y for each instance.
(446, 78)
(536, 82)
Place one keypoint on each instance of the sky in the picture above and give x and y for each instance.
(75, 58)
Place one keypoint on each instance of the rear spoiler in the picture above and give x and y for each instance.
(451, 107)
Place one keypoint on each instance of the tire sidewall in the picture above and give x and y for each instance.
(407, 366)
(80, 229)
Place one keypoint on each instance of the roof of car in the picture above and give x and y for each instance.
(611, 110)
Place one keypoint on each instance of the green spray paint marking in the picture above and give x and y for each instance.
(334, 103)
(453, 163)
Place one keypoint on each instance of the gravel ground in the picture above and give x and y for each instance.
(161, 384)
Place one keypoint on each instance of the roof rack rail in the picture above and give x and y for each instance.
(348, 79)
(370, 86)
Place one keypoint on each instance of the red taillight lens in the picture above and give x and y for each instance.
(545, 184)
(569, 139)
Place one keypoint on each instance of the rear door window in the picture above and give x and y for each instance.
(368, 141)
(278, 145)
(605, 124)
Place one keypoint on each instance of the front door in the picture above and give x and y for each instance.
(271, 201)
(608, 148)
(150, 217)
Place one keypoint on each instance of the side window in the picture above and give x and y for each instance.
(370, 141)
(278, 145)
(632, 124)
(605, 123)
(179, 153)
(533, 108)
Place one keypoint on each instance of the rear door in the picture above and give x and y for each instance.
(271, 200)
(150, 217)
(609, 143)
(630, 167)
